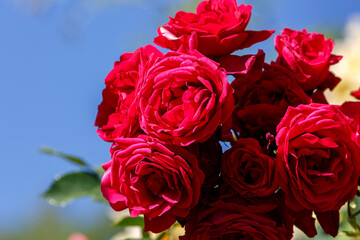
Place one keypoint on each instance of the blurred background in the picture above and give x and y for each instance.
(54, 56)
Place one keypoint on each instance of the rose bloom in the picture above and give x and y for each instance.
(261, 103)
(209, 156)
(308, 54)
(318, 157)
(219, 25)
(356, 94)
(117, 115)
(247, 67)
(184, 98)
(162, 182)
(248, 170)
(352, 110)
(233, 217)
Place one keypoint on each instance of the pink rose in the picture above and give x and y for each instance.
(162, 182)
(309, 55)
(318, 160)
(184, 98)
(219, 25)
(117, 115)
(77, 236)
(248, 170)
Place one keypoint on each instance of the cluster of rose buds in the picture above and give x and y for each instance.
(290, 154)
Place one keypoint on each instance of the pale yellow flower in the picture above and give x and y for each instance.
(348, 69)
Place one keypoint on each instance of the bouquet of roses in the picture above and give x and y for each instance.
(290, 156)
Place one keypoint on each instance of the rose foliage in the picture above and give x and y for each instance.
(290, 156)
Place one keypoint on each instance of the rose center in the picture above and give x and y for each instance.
(155, 182)
(251, 172)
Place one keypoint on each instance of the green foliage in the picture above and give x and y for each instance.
(70, 158)
(50, 224)
(71, 186)
(161, 235)
(351, 234)
(74, 185)
(99, 171)
(352, 218)
(145, 238)
(130, 221)
(97, 196)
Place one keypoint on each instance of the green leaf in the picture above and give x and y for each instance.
(130, 221)
(146, 238)
(351, 234)
(99, 171)
(98, 196)
(71, 186)
(160, 235)
(70, 158)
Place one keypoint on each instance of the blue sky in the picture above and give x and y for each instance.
(52, 68)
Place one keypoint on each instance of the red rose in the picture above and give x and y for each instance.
(356, 94)
(219, 25)
(117, 113)
(149, 178)
(352, 110)
(234, 217)
(184, 98)
(308, 54)
(318, 158)
(248, 170)
(261, 103)
(247, 67)
(209, 156)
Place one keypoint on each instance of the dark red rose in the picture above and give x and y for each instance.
(261, 103)
(209, 156)
(309, 55)
(117, 115)
(305, 221)
(248, 170)
(318, 160)
(234, 217)
(162, 182)
(219, 25)
(184, 98)
(352, 110)
(247, 67)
